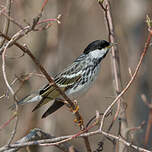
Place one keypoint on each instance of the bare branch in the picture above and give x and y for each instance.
(4, 70)
(6, 123)
(131, 80)
(23, 142)
(6, 22)
(37, 134)
(121, 105)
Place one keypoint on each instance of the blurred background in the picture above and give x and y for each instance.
(82, 22)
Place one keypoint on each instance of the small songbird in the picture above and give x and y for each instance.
(73, 80)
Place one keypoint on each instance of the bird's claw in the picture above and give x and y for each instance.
(79, 121)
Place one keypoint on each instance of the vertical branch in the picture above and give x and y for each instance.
(87, 144)
(147, 44)
(2, 41)
(121, 106)
(6, 22)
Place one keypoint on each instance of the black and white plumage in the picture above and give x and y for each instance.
(74, 80)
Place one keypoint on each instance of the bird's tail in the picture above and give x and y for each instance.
(28, 99)
(54, 107)
(34, 97)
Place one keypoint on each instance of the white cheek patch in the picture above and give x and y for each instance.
(98, 53)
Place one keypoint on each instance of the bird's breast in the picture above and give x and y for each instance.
(88, 77)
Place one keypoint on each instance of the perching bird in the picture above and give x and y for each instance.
(74, 80)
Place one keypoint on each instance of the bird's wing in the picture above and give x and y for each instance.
(64, 80)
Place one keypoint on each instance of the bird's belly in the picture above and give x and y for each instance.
(82, 86)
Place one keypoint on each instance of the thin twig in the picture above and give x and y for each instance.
(14, 130)
(62, 138)
(54, 141)
(12, 20)
(4, 70)
(36, 134)
(24, 31)
(22, 79)
(149, 123)
(131, 80)
(51, 19)
(115, 53)
(6, 22)
(121, 105)
(18, 35)
(133, 129)
(43, 5)
(6, 123)
(10, 89)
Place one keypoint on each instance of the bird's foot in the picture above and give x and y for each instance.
(79, 121)
(76, 107)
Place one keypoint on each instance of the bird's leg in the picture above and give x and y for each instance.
(70, 108)
(79, 120)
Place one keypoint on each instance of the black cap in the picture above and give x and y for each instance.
(98, 44)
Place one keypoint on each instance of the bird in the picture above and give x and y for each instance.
(74, 80)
